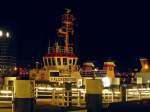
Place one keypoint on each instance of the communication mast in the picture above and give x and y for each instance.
(67, 28)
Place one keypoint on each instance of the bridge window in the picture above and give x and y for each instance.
(49, 61)
(74, 61)
(58, 61)
(64, 61)
(53, 61)
(70, 61)
(54, 73)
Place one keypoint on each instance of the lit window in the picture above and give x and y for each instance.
(146, 66)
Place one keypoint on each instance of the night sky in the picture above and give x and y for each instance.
(116, 30)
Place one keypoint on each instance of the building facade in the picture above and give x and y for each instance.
(7, 55)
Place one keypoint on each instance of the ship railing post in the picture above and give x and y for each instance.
(112, 96)
(53, 96)
(79, 96)
(83, 99)
(67, 98)
(139, 95)
(60, 97)
(102, 97)
(55, 93)
(36, 92)
(12, 99)
(57, 97)
(63, 99)
(126, 94)
(108, 97)
(120, 94)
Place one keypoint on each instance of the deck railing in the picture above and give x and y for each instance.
(60, 49)
(61, 97)
(76, 96)
(7, 97)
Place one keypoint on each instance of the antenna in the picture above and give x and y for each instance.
(49, 46)
(67, 28)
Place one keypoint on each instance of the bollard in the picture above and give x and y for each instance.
(94, 95)
(24, 96)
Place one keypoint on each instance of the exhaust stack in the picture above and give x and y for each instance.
(145, 65)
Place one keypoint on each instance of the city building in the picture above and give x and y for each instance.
(7, 54)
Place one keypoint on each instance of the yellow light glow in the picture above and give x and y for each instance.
(106, 91)
(106, 82)
(49, 88)
(5, 92)
(146, 67)
(116, 92)
(74, 89)
(145, 93)
(2, 96)
(133, 93)
(15, 68)
(59, 88)
(79, 83)
(45, 88)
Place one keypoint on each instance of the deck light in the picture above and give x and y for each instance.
(106, 82)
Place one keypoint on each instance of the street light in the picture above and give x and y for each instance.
(146, 67)
(1, 33)
(7, 34)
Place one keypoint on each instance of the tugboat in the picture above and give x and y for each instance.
(60, 63)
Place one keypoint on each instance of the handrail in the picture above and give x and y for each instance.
(60, 49)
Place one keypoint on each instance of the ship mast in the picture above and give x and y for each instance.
(67, 28)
